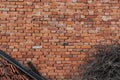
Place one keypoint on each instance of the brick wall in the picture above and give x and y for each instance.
(56, 34)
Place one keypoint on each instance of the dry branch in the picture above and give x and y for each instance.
(106, 64)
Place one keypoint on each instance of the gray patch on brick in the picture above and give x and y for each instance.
(37, 47)
(90, 19)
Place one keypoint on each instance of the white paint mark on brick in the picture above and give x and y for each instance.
(37, 47)
(106, 18)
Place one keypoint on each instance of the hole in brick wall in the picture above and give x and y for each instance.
(65, 44)
(90, 19)
(33, 19)
(81, 50)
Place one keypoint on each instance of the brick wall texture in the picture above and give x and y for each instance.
(57, 34)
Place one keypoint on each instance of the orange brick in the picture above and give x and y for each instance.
(86, 47)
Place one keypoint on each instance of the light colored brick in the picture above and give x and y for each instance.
(74, 1)
(4, 9)
(106, 18)
(91, 12)
(37, 47)
(90, 1)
